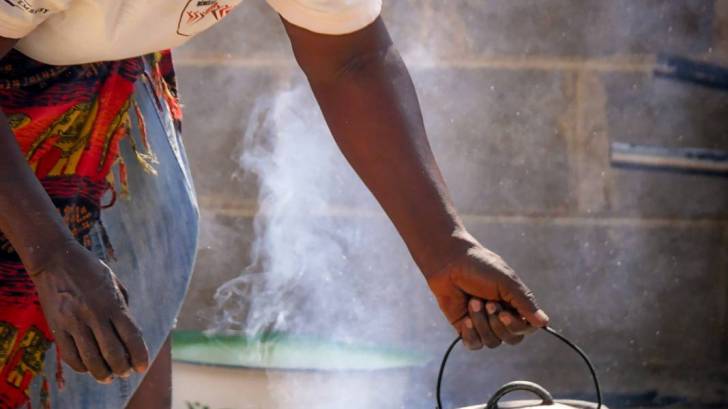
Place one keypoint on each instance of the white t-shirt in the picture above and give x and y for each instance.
(63, 32)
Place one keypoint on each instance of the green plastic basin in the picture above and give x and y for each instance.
(287, 352)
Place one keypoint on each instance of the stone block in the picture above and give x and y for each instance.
(499, 137)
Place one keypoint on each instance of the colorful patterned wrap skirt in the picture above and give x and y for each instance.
(104, 141)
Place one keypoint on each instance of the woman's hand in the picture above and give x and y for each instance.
(483, 298)
(86, 308)
(82, 300)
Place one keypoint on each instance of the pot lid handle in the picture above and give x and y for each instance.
(546, 398)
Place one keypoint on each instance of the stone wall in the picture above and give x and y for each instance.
(522, 99)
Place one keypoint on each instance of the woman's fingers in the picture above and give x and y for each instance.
(498, 328)
(493, 324)
(522, 299)
(470, 336)
(112, 349)
(476, 312)
(89, 352)
(69, 352)
(131, 337)
(488, 323)
(516, 324)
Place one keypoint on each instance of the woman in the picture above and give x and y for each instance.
(91, 117)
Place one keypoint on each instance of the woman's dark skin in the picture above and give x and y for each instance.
(371, 108)
(370, 104)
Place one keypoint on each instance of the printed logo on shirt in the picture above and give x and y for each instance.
(26, 7)
(199, 15)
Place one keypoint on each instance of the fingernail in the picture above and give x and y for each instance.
(491, 307)
(142, 368)
(542, 317)
(106, 381)
(468, 323)
(476, 305)
(126, 374)
(505, 319)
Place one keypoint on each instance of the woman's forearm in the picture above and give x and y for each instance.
(381, 133)
(28, 218)
(379, 128)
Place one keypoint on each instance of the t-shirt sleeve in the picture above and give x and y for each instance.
(20, 17)
(329, 16)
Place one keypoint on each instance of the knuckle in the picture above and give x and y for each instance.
(67, 315)
(523, 289)
(88, 313)
(96, 323)
(66, 301)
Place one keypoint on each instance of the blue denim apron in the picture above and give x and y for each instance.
(154, 234)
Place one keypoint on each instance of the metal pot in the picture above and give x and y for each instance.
(546, 400)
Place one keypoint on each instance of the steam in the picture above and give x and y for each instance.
(301, 278)
(326, 262)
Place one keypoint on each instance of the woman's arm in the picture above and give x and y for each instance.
(369, 102)
(28, 218)
(80, 296)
